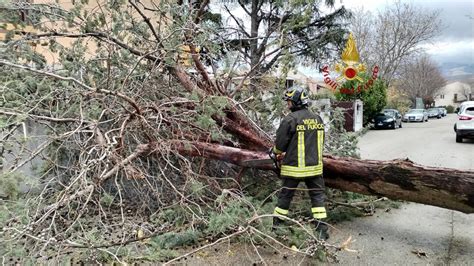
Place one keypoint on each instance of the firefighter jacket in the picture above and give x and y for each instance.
(301, 136)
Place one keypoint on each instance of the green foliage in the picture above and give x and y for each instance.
(298, 235)
(205, 122)
(209, 107)
(353, 196)
(338, 141)
(450, 109)
(196, 189)
(233, 213)
(341, 214)
(363, 205)
(94, 236)
(214, 105)
(98, 62)
(10, 246)
(321, 255)
(10, 209)
(10, 249)
(176, 215)
(172, 239)
(158, 254)
(374, 97)
(7, 16)
(10, 184)
(314, 38)
(106, 199)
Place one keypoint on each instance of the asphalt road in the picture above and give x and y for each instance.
(430, 143)
(439, 236)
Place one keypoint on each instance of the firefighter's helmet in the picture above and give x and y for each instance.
(298, 95)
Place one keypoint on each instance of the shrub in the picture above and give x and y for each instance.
(450, 109)
(374, 97)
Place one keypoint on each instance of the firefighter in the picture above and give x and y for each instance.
(301, 137)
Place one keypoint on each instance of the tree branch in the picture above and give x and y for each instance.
(107, 92)
(200, 12)
(242, 28)
(45, 118)
(99, 35)
(147, 21)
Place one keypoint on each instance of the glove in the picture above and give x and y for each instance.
(272, 154)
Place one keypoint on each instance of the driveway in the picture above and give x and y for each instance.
(414, 233)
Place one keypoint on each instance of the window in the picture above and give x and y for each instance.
(441, 96)
(289, 83)
(455, 97)
(469, 111)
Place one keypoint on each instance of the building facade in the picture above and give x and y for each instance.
(454, 94)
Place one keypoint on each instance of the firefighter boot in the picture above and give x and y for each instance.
(277, 223)
(321, 231)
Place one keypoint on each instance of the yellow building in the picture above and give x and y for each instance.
(11, 31)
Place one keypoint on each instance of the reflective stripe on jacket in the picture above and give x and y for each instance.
(301, 136)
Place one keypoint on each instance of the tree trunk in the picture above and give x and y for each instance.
(402, 179)
(397, 179)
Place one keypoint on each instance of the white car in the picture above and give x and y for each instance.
(413, 115)
(462, 104)
(464, 127)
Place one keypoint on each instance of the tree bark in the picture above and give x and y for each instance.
(397, 179)
(402, 179)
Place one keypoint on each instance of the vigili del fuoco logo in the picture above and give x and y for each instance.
(349, 69)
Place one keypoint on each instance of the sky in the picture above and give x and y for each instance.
(455, 45)
(453, 49)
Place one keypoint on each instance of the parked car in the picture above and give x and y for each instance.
(464, 127)
(462, 104)
(415, 115)
(444, 112)
(388, 118)
(434, 112)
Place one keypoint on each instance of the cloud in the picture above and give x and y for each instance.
(370, 5)
(457, 15)
(456, 40)
(457, 71)
(448, 51)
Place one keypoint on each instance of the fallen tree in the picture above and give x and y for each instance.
(131, 131)
(402, 179)
(397, 179)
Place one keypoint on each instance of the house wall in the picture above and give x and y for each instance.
(446, 96)
(42, 47)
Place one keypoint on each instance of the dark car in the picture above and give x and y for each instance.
(388, 118)
(444, 112)
(435, 112)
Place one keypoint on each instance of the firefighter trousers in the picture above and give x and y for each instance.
(315, 186)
